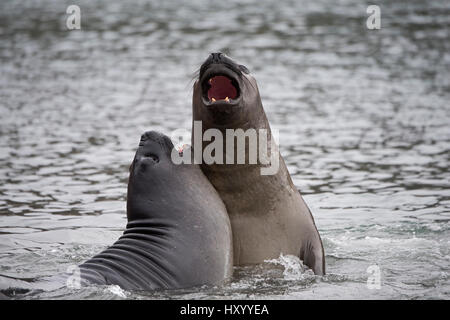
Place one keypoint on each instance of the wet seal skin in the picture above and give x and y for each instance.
(267, 213)
(178, 233)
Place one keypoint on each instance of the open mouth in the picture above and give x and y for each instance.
(220, 88)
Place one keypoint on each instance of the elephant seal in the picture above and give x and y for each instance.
(178, 233)
(267, 213)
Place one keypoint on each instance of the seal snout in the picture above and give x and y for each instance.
(216, 57)
(153, 148)
(150, 135)
(150, 148)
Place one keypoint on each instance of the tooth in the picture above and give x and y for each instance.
(210, 80)
(214, 100)
(227, 100)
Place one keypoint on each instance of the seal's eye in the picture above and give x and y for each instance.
(244, 69)
(152, 157)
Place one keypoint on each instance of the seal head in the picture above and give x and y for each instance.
(225, 93)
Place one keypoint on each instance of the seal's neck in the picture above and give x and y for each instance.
(134, 260)
(157, 226)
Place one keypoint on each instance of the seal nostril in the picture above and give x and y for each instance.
(216, 57)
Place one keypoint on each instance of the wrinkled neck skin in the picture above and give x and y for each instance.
(142, 259)
(133, 261)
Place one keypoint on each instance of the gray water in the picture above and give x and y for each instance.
(363, 117)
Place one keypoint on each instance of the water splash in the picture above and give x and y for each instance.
(118, 291)
(294, 269)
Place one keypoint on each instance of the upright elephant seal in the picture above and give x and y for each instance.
(267, 213)
(178, 233)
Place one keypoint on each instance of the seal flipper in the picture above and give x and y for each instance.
(313, 256)
(311, 252)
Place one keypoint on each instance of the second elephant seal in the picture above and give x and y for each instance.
(178, 233)
(268, 215)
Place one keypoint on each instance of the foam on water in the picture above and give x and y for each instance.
(294, 269)
(117, 291)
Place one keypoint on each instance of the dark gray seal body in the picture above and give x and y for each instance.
(267, 213)
(178, 233)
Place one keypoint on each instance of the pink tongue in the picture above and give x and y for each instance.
(221, 88)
